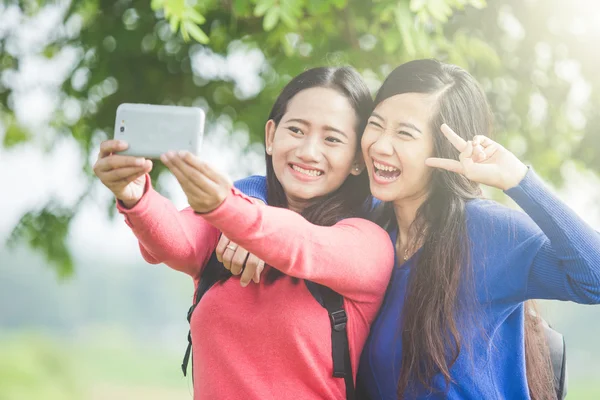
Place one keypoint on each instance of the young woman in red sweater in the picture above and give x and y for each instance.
(272, 340)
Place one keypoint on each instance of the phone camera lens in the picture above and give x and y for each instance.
(122, 129)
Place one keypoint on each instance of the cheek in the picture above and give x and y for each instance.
(340, 161)
(367, 141)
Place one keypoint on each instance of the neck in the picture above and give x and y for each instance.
(406, 212)
(296, 205)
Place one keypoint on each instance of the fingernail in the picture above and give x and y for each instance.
(244, 284)
(182, 153)
(140, 161)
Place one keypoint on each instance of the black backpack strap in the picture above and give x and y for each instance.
(558, 358)
(334, 304)
(210, 276)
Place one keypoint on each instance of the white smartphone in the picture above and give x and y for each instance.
(152, 130)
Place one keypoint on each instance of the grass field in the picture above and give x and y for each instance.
(37, 367)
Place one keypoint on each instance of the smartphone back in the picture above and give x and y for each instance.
(152, 130)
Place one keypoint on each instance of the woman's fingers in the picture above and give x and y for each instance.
(221, 246)
(228, 255)
(109, 147)
(124, 174)
(116, 161)
(444, 163)
(252, 270)
(458, 142)
(203, 167)
(238, 261)
(188, 175)
(259, 270)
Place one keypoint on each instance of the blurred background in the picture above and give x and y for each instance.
(82, 316)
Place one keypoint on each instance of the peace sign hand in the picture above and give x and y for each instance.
(481, 160)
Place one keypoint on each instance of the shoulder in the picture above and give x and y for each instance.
(368, 233)
(508, 227)
(252, 184)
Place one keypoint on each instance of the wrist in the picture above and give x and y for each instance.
(516, 176)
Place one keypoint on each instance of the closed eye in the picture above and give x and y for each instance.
(333, 139)
(373, 123)
(404, 133)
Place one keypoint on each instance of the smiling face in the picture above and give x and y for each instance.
(395, 145)
(314, 146)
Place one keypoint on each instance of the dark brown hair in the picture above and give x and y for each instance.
(431, 330)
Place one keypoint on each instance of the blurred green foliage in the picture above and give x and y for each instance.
(32, 367)
(160, 51)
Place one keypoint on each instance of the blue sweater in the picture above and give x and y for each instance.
(548, 252)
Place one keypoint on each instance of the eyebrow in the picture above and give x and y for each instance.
(326, 127)
(400, 125)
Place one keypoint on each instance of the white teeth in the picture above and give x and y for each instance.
(388, 178)
(309, 172)
(384, 167)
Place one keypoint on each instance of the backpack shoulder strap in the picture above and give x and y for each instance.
(209, 276)
(558, 358)
(333, 302)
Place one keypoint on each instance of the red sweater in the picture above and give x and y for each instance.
(268, 341)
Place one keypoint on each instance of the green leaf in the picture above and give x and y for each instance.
(288, 19)
(339, 4)
(439, 10)
(404, 22)
(14, 135)
(242, 7)
(271, 18)
(417, 5)
(174, 23)
(262, 7)
(194, 16)
(157, 4)
(47, 231)
(197, 33)
(184, 33)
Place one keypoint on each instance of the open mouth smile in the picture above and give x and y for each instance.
(385, 173)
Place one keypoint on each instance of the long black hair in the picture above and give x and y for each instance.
(441, 286)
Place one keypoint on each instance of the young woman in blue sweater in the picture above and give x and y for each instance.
(455, 323)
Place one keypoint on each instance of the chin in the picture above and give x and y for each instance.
(385, 195)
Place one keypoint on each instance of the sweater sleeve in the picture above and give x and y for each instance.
(354, 257)
(566, 263)
(181, 239)
(253, 186)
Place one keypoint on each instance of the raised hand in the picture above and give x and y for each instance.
(481, 160)
(204, 187)
(125, 176)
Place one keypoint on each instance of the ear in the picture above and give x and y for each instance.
(358, 166)
(270, 128)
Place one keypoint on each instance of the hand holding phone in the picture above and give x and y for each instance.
(125, 176)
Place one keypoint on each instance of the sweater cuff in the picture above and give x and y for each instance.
(530, 187)
(141, 207)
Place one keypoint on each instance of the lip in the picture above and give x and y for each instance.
(375, 160)
(304, 177)
(377, 179)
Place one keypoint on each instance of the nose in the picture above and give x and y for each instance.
(383, 145)
(309, 150)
